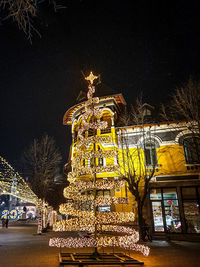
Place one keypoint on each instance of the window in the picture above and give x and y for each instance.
(191, 147)
(171, 210)
(105, 209)
(104, 193)
(165, 210)
(191, 208)
(155, 194)
(150, 153)
(92, 132)
(92, 162)
(107, 130)
(100, 160)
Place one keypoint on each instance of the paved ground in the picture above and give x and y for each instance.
(21, 247)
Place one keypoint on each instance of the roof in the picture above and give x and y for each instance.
(67, 119)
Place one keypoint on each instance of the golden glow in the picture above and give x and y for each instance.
(82, 192)
(12, 183)
(91, 77)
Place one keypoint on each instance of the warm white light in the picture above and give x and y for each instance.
(83, 189)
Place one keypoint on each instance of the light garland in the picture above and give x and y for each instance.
(84, 191)
(12, 183)
(125, 242)
(83, 170)
(75, 224)
(94, 139)
(99, 200)
(96, 154)
(80, 185)
(101, 217)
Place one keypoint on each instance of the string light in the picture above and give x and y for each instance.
(97, 154)
(80, 185)
(125, 242)
(99, 200)
(82, 189)
(94, 139)
(12, 183)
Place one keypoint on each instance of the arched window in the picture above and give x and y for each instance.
(191, 145)
(150, 153)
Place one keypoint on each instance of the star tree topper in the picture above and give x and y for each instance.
(91, 78)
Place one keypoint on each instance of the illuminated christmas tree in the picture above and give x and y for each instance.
(84, 204)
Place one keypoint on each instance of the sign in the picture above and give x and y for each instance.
(13, 214)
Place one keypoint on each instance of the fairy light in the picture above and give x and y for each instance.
(94, 139)
(12, 183)
(125, 242)
(99, 201)
(80, 185)
(98, 223)
(80, 170)
(97, 154)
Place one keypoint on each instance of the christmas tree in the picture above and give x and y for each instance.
(83, 203)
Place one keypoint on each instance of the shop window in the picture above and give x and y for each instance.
(169, 193)
(171, 209)
(155, 194)
(191, 200)
(157, 216)
(165, 210)
(192, 216)
(191, 148)
(150, 154)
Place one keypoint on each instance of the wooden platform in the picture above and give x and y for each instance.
(85, 259)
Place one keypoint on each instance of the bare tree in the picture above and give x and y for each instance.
(184, 107)
(40, 161)
(138, 167)
(23, 13)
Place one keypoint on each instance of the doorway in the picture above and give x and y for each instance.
(165, 210)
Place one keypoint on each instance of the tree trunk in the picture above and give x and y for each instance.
(141, 221)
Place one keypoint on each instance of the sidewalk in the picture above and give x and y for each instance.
(20, 246)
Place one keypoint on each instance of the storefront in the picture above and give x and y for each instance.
(175, 208)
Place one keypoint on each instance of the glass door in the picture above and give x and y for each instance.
(165, 210)
(157, 216)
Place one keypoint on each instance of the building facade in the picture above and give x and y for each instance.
(166, 150)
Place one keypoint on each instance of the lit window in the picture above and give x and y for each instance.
(150, 153)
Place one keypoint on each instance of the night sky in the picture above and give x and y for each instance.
(150, 47)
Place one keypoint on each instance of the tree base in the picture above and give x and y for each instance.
(106, 259)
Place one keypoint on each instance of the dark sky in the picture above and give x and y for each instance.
(150, 47)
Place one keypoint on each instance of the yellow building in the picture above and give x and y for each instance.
(163, 149)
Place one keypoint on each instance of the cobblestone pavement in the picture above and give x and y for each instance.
(20, 246)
